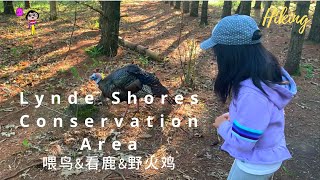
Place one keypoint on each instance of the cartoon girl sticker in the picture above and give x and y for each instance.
(32, 17)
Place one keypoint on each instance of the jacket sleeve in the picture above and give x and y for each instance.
(247, 123)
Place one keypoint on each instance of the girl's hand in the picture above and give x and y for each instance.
(221, 119)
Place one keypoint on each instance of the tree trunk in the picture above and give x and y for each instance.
(257, 5)
(245, 8)
(204, 13)
(226, 11)
(194, 9)
(166, 2)
(314, 34)
(171, 3)
(287, 4)
(186, 6)
(27, 5)
(53, 10)
(110, 27)
(8, 7)
(178, 5)
(238, 8)
(296, 41)
(267, 5)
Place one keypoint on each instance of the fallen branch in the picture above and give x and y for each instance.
(314, 83)
(314, 101)
(23, 169)
(14, 112)
(140, 49)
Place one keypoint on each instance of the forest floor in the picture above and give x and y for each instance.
(42, 64)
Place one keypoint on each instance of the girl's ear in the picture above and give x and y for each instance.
(256, 35)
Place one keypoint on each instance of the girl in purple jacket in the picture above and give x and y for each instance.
(253, 130)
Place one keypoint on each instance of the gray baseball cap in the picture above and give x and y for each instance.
(232, 30)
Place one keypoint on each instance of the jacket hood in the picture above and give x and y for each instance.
(280, 95)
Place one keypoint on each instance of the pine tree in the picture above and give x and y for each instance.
(194, 9)
(27, 5)
(53, 10)
(204, 13)
(226, 10)
(178, 5)
(245, 8)
(257, 5)
(267, 5)
(186, 6)
(8, 7)
(287, 5)
(296, 42)
(314, 34)
(110, 21)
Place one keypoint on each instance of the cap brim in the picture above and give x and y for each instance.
(207, 44)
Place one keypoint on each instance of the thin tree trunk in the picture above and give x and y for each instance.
(166, 2)
(171, 3)
(257, 5)
(245, 8)
(53, 10)
(178, 5)
(194, 9)
(204, 13)
(110, 27)
(296, 42)
(27, 5)
(314, 34)
(267, 5)
(238, 8)
(186, 6)
(8, 7)
(226, 11)
(287, 5)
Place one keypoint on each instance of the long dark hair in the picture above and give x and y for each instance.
(239, 62)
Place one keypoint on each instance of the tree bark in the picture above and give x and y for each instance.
(53, 10)
(287, 5)
(296, 42)
(194, 9)
(245, 8)
(257, 5)
(8, 7)
(226, 11)
(204, 13)
(238, 8)
(267, 5)
(171, 3)
(27, 5)
(178, 5)
(166, 2)
(314, 34)
(110, 27)
(186, 6)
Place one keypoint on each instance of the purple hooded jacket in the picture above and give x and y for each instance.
(255, 132)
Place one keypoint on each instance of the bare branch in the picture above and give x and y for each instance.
(91, 7)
